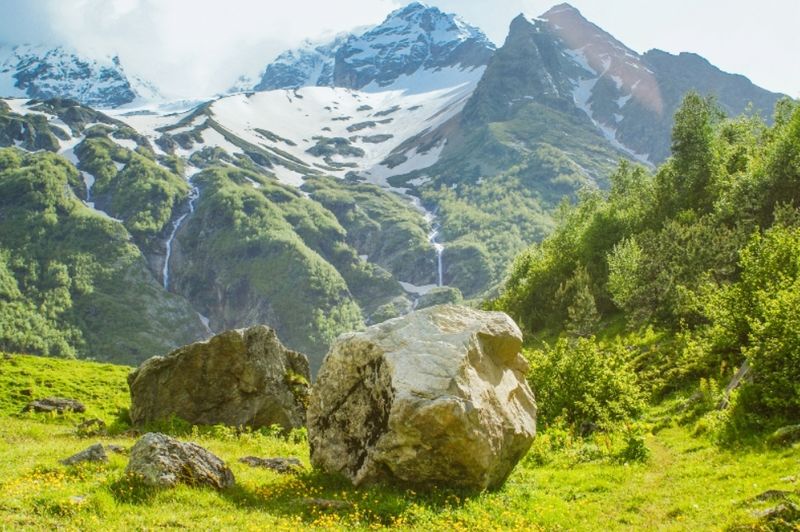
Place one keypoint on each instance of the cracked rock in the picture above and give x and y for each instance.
(437, 397)
(161, 461)
(238, 378)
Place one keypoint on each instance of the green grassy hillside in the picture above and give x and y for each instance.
(72, 283)
(565, 483)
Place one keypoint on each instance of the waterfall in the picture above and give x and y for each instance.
(439, 248)
(194, 194)
(433, 236)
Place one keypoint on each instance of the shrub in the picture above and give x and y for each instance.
(585, 383)
(764, 310)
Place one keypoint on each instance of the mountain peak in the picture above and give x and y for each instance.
(561, 9)
(412, 39)
(411, 9)
(520, 21)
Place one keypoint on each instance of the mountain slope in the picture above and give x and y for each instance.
(633, 97)
(72, 281)
(310, 65)
(229, 238)
(560, 103)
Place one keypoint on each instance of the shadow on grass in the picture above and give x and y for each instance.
(314, 494)
(129, 489)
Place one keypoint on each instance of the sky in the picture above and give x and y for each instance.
(194, 48)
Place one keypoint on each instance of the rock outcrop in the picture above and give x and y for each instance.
(59, 405)
(161, 461)
(279, 465)
(243, 377)
(95, 453)
(435, 397)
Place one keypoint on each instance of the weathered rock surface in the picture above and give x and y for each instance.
(59, 405)
(95, 453)
(161, 461)
(279, 465)
(435, 397)
(244, 377)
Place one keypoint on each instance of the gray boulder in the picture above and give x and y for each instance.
(59, 405)
(435, 397)
(161, 461)
(238, 378)
(279, 465)
(95, 453)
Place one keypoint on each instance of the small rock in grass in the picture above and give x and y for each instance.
(92, 427)
(59, 405)
(95, 453)
(786, 512)
(116, 449)
(328, 504)
(771, 495)
(279, 465)
(161, 461)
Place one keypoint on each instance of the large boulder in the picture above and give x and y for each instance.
(160, 461)
(437, 397)
(244, 377)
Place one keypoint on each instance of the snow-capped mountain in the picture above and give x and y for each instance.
(45, 72)
(417, 40)
(309, 65)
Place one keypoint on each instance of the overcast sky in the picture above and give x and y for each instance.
(198, 47)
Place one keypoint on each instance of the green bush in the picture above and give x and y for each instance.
(584, 383)
(761, 314)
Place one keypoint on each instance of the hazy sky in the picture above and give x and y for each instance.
(197, 47)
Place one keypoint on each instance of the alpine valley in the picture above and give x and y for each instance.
(391, 169)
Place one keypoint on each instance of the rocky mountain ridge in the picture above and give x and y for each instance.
(44, 72)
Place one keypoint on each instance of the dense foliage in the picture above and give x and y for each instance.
(705, 250)
(71, 282)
